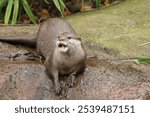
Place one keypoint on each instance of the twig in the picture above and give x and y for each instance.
(144, 44)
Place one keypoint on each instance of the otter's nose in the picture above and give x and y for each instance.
(61, 39)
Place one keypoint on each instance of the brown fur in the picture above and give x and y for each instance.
(56, 30)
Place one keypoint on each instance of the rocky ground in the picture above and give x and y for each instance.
(23, 76)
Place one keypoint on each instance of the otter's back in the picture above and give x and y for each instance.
(49, 32)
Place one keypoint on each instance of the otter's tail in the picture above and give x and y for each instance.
(24, 40)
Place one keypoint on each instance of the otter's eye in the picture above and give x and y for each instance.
(58, 37)
(68, 37)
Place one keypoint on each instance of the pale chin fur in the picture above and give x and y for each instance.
(63, 50)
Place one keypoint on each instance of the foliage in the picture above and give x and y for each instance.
(13, 7)
(98, 3)
(143, 60)
(60, 6)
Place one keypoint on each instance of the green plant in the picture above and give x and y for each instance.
(143, 60)
(60, 6)
(13, 7)
(98, 3)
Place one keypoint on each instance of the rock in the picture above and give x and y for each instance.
(21, 78)
(106, 77)
(107, 81)
(24, 81)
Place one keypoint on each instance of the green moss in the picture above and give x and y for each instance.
(123, 26)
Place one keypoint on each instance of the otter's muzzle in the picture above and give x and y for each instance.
(62, 46)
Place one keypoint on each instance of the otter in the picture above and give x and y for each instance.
(58, 42)
(62, 49)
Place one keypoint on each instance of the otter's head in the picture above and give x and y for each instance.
(67, 42)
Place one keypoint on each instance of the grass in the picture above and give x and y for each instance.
(123, 26)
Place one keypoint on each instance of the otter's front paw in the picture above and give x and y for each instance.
(71, 80)
(58, 89)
